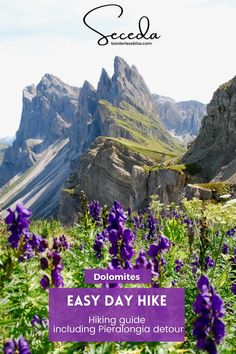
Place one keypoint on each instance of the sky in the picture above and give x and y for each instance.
(195, 54)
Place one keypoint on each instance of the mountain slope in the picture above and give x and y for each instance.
(40, 185)
(215, 147)
(49, 109)
(182, 119)
(3, 147)
(60, 122)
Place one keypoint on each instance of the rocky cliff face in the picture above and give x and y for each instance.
(122, 106)
(49, 110)
(110, 171)
(182, 119)
(60, 122)
(3, 147)
(214, 149)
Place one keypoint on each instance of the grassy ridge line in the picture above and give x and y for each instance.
(140, 126)
(157, 155)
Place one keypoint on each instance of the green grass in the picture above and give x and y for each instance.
(146, 133)
(226, 85)
(142, 128)
(153, 150)
(219, 187)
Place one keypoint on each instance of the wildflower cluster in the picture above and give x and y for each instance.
(20, 346)
(209, 329)
(21, 240)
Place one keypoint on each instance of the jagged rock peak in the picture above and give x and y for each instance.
(29, 92)
(126, 85)
(120, 65)
(104, 85)
(50, 82)
(87, 87)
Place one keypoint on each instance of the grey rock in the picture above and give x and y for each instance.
(49, 110)
(60, 122)
(215, 147)
(168, 185)
(182, 119)
(194, 191)
(109, 171)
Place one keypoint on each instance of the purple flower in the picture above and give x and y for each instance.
(98, 245)
(35, 320)
(162, 247)
(141, 261)
(208, 328)
(23, 346)
(178, 265)
(225, 249)
(195, 264)
(164, 244)
(56, 258)
(43, 263)
(95, 211)
(231, 232)
(10, 347)
(233, 288)
(45, 282)
(153, 251)
(18, 224)
(13, 345)
(57, 279)
(209, 262)
(120, 237)
(151, 226)
(60, 243)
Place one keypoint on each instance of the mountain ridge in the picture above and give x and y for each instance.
(53, 113)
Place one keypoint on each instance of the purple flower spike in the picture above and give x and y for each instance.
(95, 211)
(208, 328)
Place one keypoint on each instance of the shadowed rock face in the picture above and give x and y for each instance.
(126, 89)
(109, 171)
(215, 147)
(49, 109)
